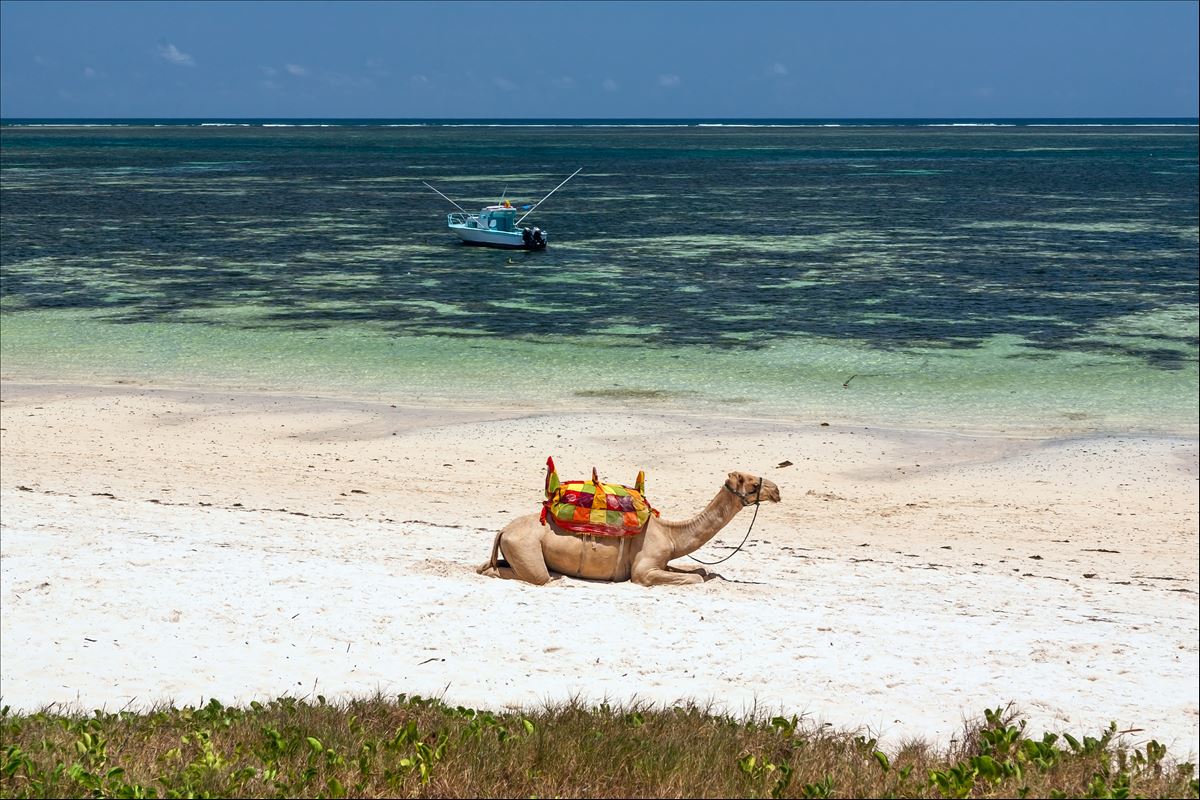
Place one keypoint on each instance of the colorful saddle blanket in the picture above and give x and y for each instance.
(592, 507)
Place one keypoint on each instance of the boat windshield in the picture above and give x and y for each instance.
(500, 219)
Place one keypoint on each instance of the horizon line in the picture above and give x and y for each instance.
(476, 118)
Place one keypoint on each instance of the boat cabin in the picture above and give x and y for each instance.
(498, 218)
(501, 219)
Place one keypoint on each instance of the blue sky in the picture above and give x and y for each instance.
(598, 59)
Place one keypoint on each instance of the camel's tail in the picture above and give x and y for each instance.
(491, 564)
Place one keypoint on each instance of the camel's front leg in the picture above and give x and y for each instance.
(691, 571)
(660, 577)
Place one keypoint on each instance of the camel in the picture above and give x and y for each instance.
(533, 550)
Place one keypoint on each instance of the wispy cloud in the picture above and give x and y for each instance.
(296, 69)
(90, 73)
(340, 80)
(777, 69)
(668, 81)
(173, 55)
(504, 84)
(609, 85)
(563, 82)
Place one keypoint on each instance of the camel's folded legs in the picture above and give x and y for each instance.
(690, 570)
(664, 577)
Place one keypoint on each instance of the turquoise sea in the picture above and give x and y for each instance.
(997, 275)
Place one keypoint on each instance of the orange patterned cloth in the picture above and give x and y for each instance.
(592, 507)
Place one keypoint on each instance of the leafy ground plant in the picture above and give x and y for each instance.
(420, 747)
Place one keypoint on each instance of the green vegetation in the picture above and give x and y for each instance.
(418, 747)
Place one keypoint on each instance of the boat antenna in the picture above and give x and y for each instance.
(456, 205)
(552, 191)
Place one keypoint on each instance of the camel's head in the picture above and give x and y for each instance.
(745, 486)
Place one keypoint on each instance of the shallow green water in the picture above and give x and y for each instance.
(1000, 279)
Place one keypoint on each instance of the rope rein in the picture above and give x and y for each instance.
(745, 502)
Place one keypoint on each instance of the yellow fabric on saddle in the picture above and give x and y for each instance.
(595, 508)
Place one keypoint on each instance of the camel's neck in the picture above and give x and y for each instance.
(688, 536)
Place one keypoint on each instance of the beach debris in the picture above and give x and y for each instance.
(846, 385)
(24, 489)
(783, 464)
(1099, 550)
(824, 424)
(1036, 558)
(1089, 574)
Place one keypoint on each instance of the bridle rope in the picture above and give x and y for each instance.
(745, 502)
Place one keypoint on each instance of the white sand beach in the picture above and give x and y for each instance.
(177, 545)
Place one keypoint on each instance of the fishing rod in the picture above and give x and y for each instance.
(456, 205)
(539, 202)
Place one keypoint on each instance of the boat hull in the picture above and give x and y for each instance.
(506, 240)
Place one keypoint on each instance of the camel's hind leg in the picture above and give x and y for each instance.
(522, 548)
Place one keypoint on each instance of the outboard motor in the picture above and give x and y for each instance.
(527, 236)
(538, 239)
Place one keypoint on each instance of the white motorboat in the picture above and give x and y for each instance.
(498, 225)
(495, 226)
